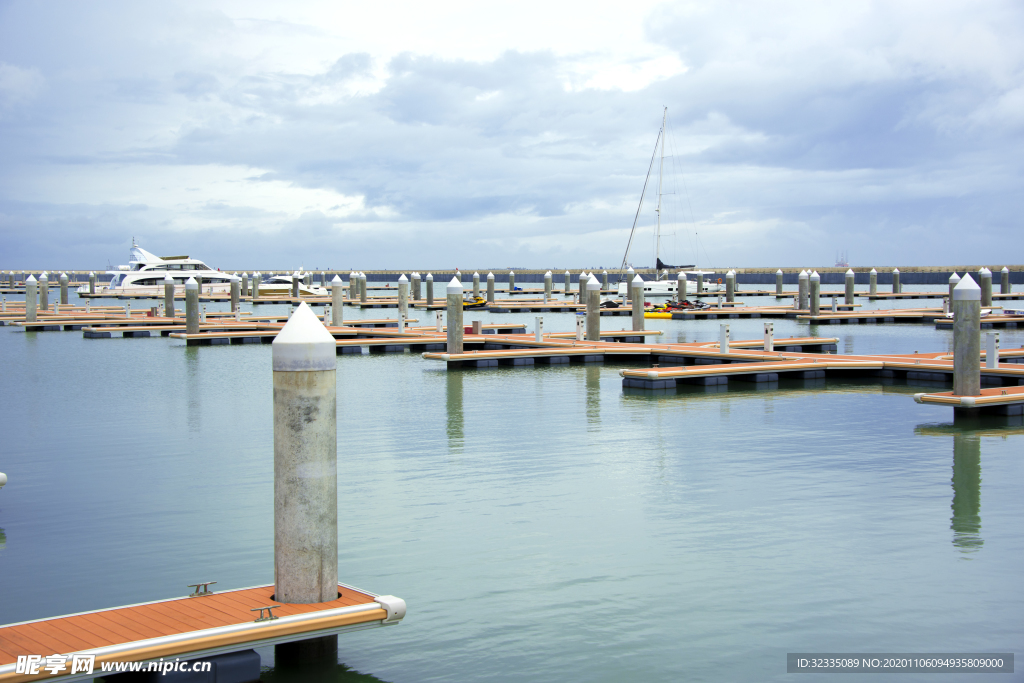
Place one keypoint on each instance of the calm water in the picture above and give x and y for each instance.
(541, 524)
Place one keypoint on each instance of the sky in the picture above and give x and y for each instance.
(412, 135)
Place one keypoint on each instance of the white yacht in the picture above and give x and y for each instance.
(145, 274)
(667, 287)
(281, 285)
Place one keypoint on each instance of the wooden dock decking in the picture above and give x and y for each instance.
(1003, 401)
(188, 627)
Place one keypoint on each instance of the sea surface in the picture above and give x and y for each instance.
(541, 523)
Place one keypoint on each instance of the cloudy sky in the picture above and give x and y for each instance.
(492, 134)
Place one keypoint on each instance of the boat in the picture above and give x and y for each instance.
(281, 285)
(474, 302)
(664, 283)
(145, 274)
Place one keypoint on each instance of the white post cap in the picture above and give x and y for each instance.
(476, 275)
(191, 283)
(353, 274)
(874, 271)
(593, 283)
(849, 273)
(91, 273)
(455, 287)
(1005, 270)
(336, 281)
(815, 276)
(490, 276)
(430, 276)
(30, 279)
(42, 276)
(604, 272)
(168, 279)
(954, 277)
(803, 275)
(567, 273)
(255, 273)
(638, 281)
(779, 271)
(731, 273)
(511, 272)
(547, 274)
(415, 274)
(64, 276)
(304, 344)
(896, 270)
(681, 275)
(967, 290)
(403, 279)
(985, 272)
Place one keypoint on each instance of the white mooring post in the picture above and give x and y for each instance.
(353, 286)
(568, 283)
(778, 282)
(236, 293)
(44, 292)
(548, 285)
(455, 329)
(593, 309)
(954, 280)
(896, 288)
(245, 284)
(985, 281)
(31, 297)
(604, 280)
(1004, 281)
(305, 461)
(873, 282)
(511, 282)
(730, 286)
(439, 315)
(680, 286)
(723, 338)
(637, 294)
(490, 288)
(256, 279)
(992, 350)
(403, 297)
(92, 282)
(417, 289)
(967, 338)
(337, 304)
(362, 287)
(538, 329)
(191, 306)
(476, 286)
(848, 294)
(700, 283)
(801, 291)
(430, 289)
(63, 289)
(769, 337)
(814, 293)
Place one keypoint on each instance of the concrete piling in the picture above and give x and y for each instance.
(848, 298)
(31, 296)
(581, 286)
(730, 286)
(353, 286)
(92, 282)
(403, 295)
(954, 280)
(723, 338)
(604, 280)
(430, 289)
(362, 287)
(547, 286)
(896, 289)
(191, 306)
(295, 285)
(168, 295)
(245, 284)
(305, 461)
(1004, 281)
(511, 281)
(44, 292)
(873, 282)
(985, 282)
(417, 289)
(63, 289)
(568, 283)
(307, 279)
(801, 298)
(490, 288)
(992, 350)
(769, 336)
(455, 316)
(337, 302)
(814, 293)
(256, 280)
(236, 293)
(593, 309)
(700, 283)
(778, 282)
(637, 295)
(476, 286)
(967, 338)
(680, 286)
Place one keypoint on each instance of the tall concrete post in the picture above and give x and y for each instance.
(168, 296)
(353, 286)
(245, 284)
(802, 290)
(63, 289)
(700, 283)
(548, 285)
(295, 285)
(604, 280)
(455, 316)
(730, 286)
(985, 280)
(307, 279)
(954, 280)
(778, 282)
(873, 282)
(256, 279)
(430, 289)
(362, 287)
(967, 338)
(723, 338)
(417, 290)
(581, 286)
(814, 293)
(490, 288)
(403, 297)
(896, 288)
(31, 298)
(92, 282)
(992, 350)
(191, 306)
(848, 299)
(637, 295)
(593, 309)
(568, 283)
(236, 293)
(1004, 281)
(44, 292)
(337, 302)
(680, 286)
(476, 285)
(305, 475)
(511, 282)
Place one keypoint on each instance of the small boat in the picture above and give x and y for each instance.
(474, 302)
(145, 274)
(281, 285)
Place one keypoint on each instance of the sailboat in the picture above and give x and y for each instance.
(664, 284)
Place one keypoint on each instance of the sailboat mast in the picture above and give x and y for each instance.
(661, 172)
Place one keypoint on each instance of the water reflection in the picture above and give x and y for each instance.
(194, 389)
(966, 520)
(455, 414)
(593, 383)
(3, 539)
(334, 674)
